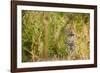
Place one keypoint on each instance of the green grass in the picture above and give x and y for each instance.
(46, 36)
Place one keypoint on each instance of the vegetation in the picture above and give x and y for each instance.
(48, 36)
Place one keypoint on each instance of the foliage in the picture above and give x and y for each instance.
(65, 35)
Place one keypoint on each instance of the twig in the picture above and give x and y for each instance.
(28, 51)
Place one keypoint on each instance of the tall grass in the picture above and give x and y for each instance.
(55, 36)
